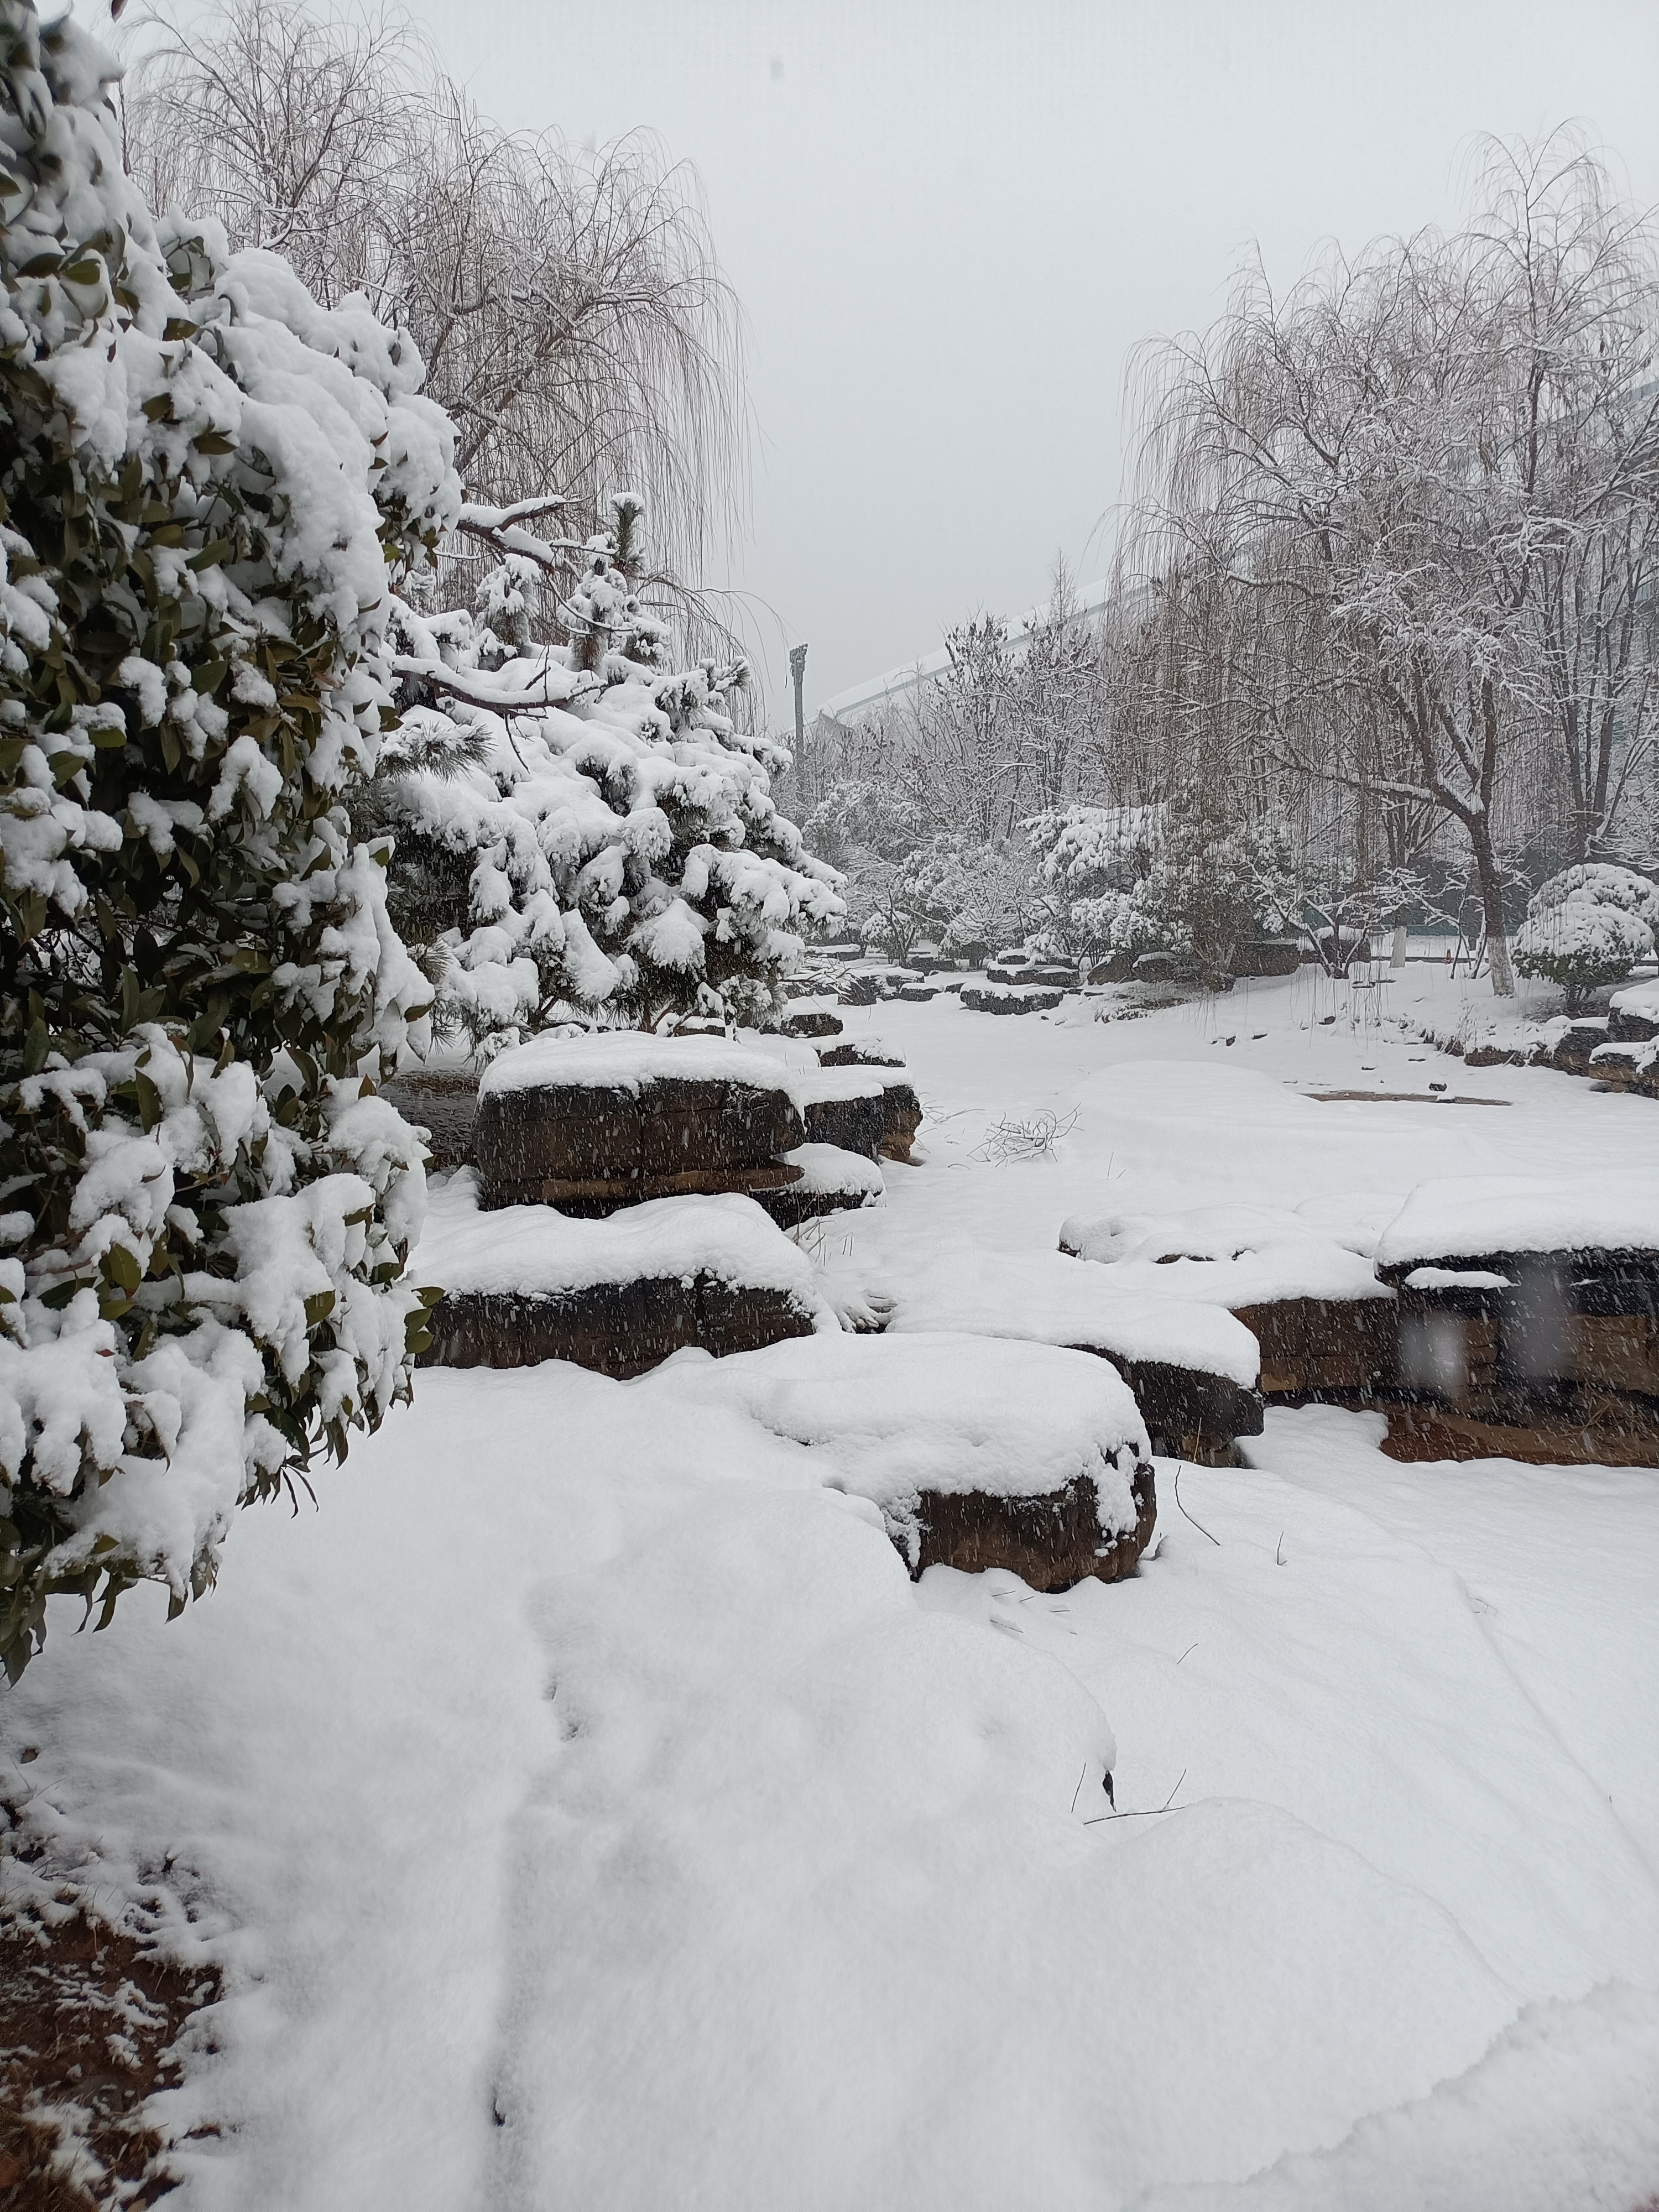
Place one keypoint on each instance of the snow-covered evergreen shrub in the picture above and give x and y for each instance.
(1164, 879)
(1587, 928)
(1092, 859)
(580, 829)
(204, 1208)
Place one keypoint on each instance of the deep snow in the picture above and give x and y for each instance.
(591, 1813)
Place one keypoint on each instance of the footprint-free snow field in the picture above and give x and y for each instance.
(583, 1808)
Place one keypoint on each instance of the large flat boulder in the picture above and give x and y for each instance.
(997, 999)
(976, 1454)
(599, 1121)
(1191, 1368)
(1306, 1290)
(522, 1284)
(1592, 1231)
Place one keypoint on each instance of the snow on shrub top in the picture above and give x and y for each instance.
(1231, 1255)
(1588, 927)
(206, 1209)
(1601, 883)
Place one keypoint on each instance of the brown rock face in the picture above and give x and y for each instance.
(856, 1125)
(901, 1119)
(1593, 1429)
(1189, 1414)
(620, 1329)
(1050, 1542)
(1572, 1054)
(676, 1128)
(1316, 1347)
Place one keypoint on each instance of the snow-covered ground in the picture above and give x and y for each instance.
(589, 1812)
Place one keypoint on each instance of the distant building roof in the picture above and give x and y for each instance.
(860, 699)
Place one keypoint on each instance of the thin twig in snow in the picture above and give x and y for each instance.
(1145, 1813)
(1199, 1525)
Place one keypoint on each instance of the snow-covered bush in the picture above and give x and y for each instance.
(1588, 928)
(1137, 879)
(580, 828)
(204, 1207)
(1092, 859)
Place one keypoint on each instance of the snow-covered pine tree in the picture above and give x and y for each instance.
(581, 830)
(204, 1207)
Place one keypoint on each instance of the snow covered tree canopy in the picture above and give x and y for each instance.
(1588, 927)
(580, 828)
(1171, 878)
(205, 1208)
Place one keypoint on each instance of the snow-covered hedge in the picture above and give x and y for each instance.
(1588, 928)
(579, 827)
(1140, 878)
(204, 1207)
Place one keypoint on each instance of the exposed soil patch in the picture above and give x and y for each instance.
(87, 2026)
(1399, 1098)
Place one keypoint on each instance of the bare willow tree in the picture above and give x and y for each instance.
(568, 305)
(1423, 484)
(1574, 278)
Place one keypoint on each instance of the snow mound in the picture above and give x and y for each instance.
(534, 1251)
(1045, 1297)
(1355, 1218)
(1226, 1256)
(630, 1059)
(886, 1418)
(1560, 2111)
(1456, 1217)
(832, 1167)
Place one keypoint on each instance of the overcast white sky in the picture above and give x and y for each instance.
(949, 223)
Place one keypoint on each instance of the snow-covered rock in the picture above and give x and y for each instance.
(908, 1421)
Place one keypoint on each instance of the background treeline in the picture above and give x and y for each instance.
(1383, 625)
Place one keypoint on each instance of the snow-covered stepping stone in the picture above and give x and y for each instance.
(1307, 1290)
(522, 1284)
(830, 1179)
(816, 1018)
(996, 999)
(592, 1123)
(1192, 1368)
(1529, 1321)
(1633, 1014)
(859, 1052)
(977, 1454)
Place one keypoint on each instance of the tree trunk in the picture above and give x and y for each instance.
(1491, 909)
(1399, 955)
